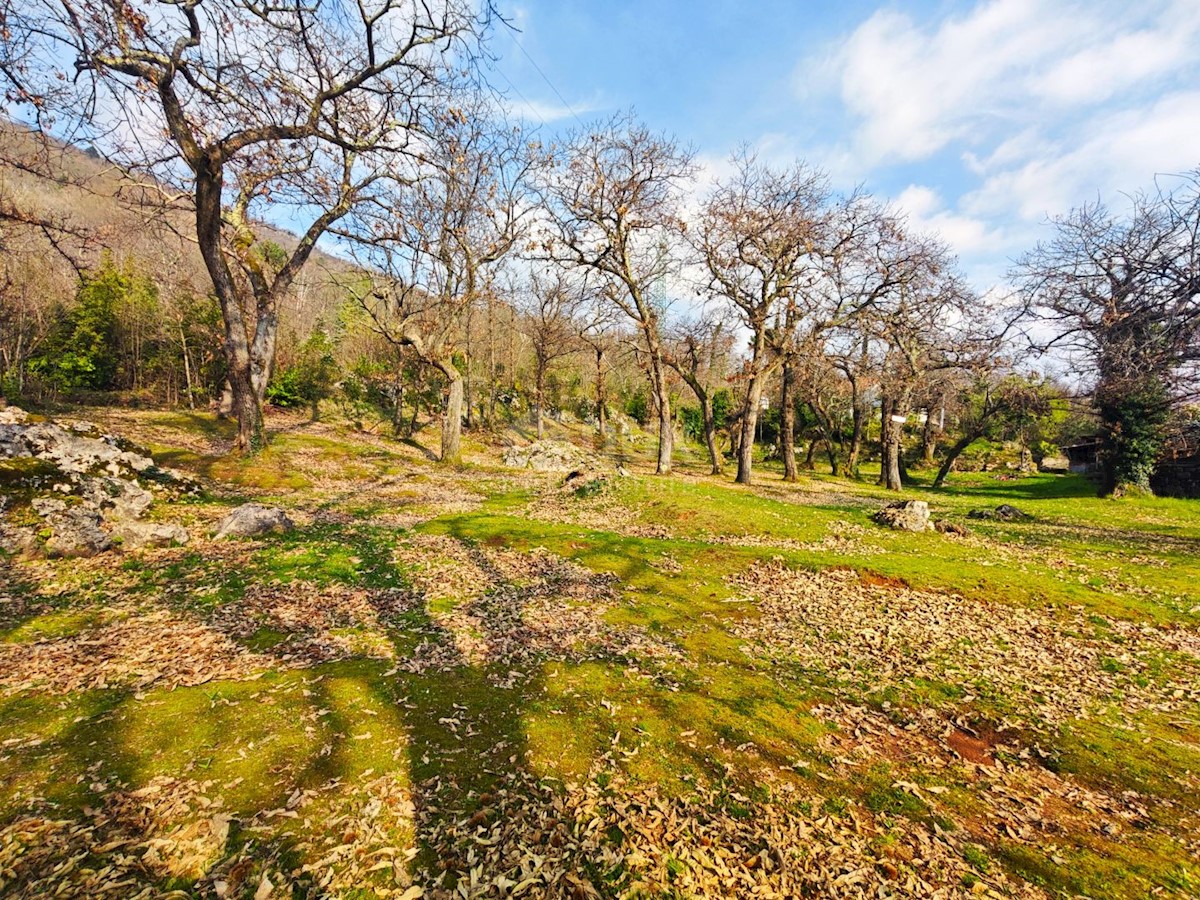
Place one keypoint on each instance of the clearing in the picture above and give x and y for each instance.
(477, 682)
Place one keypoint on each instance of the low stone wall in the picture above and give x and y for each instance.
(1178, 478)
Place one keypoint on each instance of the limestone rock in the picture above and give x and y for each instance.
(116, 498)
(1056, 464)
(13, 415)
(86, 486)
(253, 519)
(135, 535)
(549, 456)
(74, 530)
(905, 515)
(945, 526)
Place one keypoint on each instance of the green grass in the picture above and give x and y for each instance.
(719, 714)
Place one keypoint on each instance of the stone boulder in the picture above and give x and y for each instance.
(585, 483)
(80, 450)
(13, 415)
(905, 515)
(945, 526)
(87, 487)
(253, 519)
(74, 529)
(1002, 513)
(549, 456)
(1058, 465)
(137, 535)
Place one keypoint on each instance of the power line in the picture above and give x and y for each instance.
(528, 103)
(549, 83)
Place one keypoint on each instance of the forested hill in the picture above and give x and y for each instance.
(102, 216)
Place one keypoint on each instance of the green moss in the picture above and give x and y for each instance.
(56, 624)
(975, 855)
(719, 715)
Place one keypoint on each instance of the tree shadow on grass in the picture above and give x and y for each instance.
(19, 598)
(464, 721)
(275, 772)
(1059, 487)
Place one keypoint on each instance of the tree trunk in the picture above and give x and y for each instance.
(248, 412)
(952, 456)
(754, 389)
(452, 421)
(666, 433)
(835, 467)
(812, 449)
(187, 368)
(245, 400)
(929, 438)
(398, 407)
(710, 433)
(225, 404)
(468, 394)
(745, 449)
(601, 398)
(858, 421)
(787, 424)
(891, 437)
(886, 408)
(491, 325)
(540, 396)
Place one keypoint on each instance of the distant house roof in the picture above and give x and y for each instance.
(1087, 443)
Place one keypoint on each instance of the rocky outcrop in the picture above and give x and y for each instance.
(253, 519)
(135, 535)
(549, 456)
(90, 490)
(585, 483)
(74, 529)
(906, 515)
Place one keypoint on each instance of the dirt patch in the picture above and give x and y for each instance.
(972, 749)
(875, 579)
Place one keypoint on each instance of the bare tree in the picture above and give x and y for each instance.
(614, 202)
(758, 237)
(831, 401)
(246, 107)
(1121, 295)
(598, 330)
(549, 325)
(437, 240)
(700, 354)
(855, 356)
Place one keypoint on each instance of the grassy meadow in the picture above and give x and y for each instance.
(479, 682)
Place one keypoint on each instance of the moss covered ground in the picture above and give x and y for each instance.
(373, 704)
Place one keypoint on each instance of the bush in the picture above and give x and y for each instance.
(310, 379)
(637, 407)
(81, 351)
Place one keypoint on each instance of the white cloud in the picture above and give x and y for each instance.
(912, 89)
(964, 233)
(1046, 104)
(541, 111)
(1118, 151)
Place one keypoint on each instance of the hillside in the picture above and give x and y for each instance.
(102, 211)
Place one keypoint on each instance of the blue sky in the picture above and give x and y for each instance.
(979, 119)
